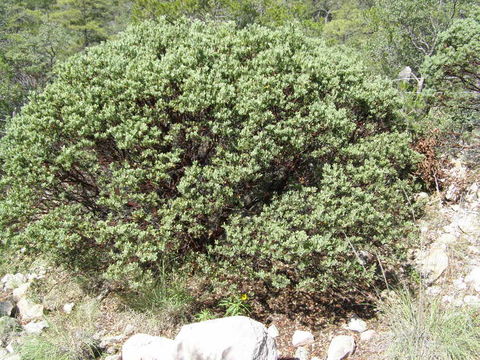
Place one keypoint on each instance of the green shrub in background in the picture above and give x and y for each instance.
(454, 71)
(253, 154)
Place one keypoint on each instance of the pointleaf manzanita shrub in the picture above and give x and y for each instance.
(264, 153)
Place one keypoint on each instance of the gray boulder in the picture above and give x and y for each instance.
(230, 338)
(6, 308)
(341, 347)
(28, 310)
(12, 281)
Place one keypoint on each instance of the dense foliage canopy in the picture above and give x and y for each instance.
(256, 155)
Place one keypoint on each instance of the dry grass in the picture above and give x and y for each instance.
(423, 329)
(69, 337)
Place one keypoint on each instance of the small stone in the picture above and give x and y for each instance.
(405, 74)
(422, 196)
(473, 193)
(273, 331)
(368, 335)
(452, 193)
(468, 224)
(472, 300)
(473, 278)
(341, 347)
(6, 308)
(20, 291)
(129, 330)
(12, 357)
(35, 327)
(447, 299)
(68, 308)
(302, 338)
(301, 354)
(434, 264)
(447, 238)
(29, 310)
(357, 324)
(457, 302)
(433, 290)
(11, 281)
(459, 284)
(474, 249)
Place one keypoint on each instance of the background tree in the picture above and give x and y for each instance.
(406, 31)
(454, 71)
(36, 35)
(91, 19)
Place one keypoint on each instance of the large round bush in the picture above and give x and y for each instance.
(256, 155)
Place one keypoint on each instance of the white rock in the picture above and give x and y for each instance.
(405, 74)
(35, 327)
(447, 238)
(273, 331)
(341, 347)
(315, 358)
(474, 249)
(6, 308)
(301, 354)
(230, 338)
(29, 310)
(12, 357)
(473, 193)
(447, 299)
(452, 193)
(457, 302)
(421, 196)
(147, 347)
(368, 335)
(473, 278)
(11, 281)
(459, 284)
(21, 291)
(129, 330)
(68, 308)
(433, 290)
(472, 300)
(468, 224)
(434, 264)
(302, 338)
(357, 324)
